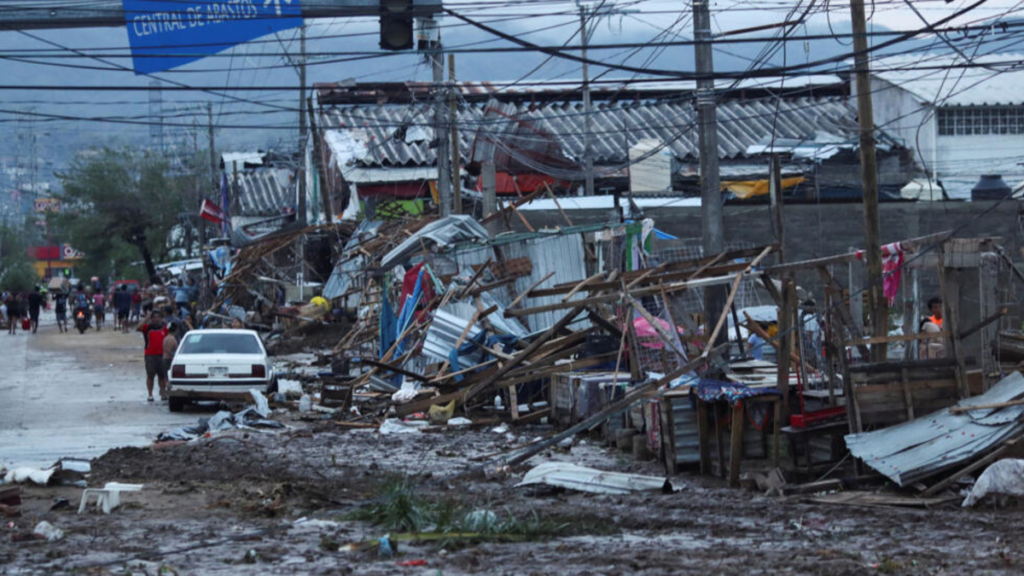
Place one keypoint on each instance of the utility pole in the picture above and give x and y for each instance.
(453, 110)
(712, 232)
(444, 188)
(869, 179)
(302, 127)
(588, 111)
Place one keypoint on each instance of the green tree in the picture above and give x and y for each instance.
(16, 272)
(119, 205)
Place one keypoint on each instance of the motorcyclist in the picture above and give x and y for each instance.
(82, 303)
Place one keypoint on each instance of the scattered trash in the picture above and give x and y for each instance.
(108, 497)
(305, 404)
(441, 414)
(412, 563)
(223, 420)
(584, 479)
(503, 429)
(262, 406)
(404, 395)
(60, 504)
(48, 531)
(480, 520)
(66, 472)
(385, 550)
(459, 421)
(1003, 478)
(291, 389)
(395, 426)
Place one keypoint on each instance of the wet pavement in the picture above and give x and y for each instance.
(74, 395)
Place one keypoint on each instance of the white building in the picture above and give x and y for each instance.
(961, 120)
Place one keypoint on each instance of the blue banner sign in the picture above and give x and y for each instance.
(165, 34)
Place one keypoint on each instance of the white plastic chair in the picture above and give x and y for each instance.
(108, 497)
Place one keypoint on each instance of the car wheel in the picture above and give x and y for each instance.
(175, 404)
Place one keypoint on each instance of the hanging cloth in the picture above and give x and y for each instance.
(388, 326)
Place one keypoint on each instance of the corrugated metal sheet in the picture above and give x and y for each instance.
(742, 124)
(266, 191)
(440, 233)
(573, 477)
(350, 268)
(964, 87)
(562, 254)
(920, 448)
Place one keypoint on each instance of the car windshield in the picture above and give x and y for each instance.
(220, 344)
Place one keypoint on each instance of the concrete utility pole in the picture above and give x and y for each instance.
(453, 110)
(588, 110)
(302, 127)
(444, 175)
(712, 228)
(869, 179)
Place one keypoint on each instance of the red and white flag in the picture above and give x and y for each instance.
(212, 212)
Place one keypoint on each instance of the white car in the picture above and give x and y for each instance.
(218, 365)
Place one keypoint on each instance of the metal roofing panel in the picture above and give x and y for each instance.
(914, 450)
(565, 475)
(972, 86)
(265, 191)
(556, 128)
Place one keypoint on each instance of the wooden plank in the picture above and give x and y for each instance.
(960, 409)
(580, 286)
(536, 344)
(908, 244)
(785, 317)
(736, 445)
(732, 294)
(526, 293)
(901, 338)
(949, 279)
(638, 393)
(680, 267)
(977, 465)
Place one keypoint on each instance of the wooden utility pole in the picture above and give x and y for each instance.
(712, 228)
(588, 112)
(869, 179)
(775, 199)
(453, 110)
(444, 175)
(317, 155)
(302, 127)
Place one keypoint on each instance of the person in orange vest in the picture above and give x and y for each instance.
(935, 307)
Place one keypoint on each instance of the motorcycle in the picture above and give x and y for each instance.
(82, 317)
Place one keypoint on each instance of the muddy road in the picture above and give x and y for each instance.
(292, 502)
(74, 395)
(316, 498)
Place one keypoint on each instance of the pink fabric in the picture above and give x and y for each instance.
(648, 336)
(892, 269)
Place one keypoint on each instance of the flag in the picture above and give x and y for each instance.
(212, 212)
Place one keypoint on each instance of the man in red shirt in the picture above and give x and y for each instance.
(154, 331)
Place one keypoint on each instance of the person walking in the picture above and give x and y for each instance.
(154, 331)
(170, 347)
(13, 313)
(123, 307)
(60, 308)
(35, 302)
(98, 302)
(136, 306)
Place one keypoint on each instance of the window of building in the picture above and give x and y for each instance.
(981, 120)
